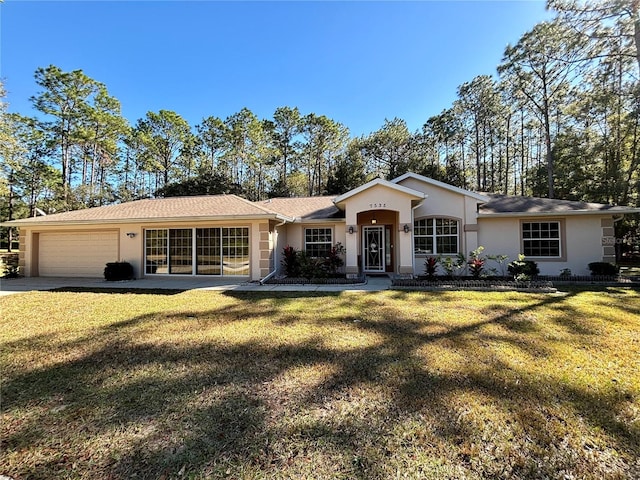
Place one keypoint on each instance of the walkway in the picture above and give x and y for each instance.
(19, 285)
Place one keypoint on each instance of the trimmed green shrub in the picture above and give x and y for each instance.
(521, 267)
(603, 269)
(116, 271)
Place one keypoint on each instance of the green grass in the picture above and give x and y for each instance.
(441, 385)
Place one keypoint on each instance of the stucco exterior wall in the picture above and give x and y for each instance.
(441, 202)
(379, 197)
(131, 248)
(583, 238)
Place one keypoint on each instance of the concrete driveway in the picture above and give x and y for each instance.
(27, 284)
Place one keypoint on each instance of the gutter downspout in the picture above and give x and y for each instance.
(275, 255)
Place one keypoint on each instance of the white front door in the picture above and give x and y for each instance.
(373, 248)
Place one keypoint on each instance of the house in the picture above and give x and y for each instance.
(385, 226)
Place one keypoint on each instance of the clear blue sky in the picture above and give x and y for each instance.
(355, 62)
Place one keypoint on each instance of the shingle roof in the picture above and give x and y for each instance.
(506, 204)
(305, 208)
(210, 206)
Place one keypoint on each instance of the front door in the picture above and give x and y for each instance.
(374, 249)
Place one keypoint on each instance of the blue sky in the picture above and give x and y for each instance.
(355, 62)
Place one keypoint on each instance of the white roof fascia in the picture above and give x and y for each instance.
(384, 183)
(319, 220)
(437, 183)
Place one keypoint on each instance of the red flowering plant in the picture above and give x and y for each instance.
(476, 262)
(430, 267)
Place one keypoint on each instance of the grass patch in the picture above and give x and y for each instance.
(351, 385)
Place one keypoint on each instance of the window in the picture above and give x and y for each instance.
(208, 248)
(180, 251)
(156, 251)
(235, 251)
(541, 239)
(436, 236)
(215, 251)
(318, 241)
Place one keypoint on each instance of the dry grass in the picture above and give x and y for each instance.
(394, 385)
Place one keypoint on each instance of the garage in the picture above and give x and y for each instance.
(77, 253)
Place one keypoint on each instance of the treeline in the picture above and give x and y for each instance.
(562, 119)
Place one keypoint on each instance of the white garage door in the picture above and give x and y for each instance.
(76, 254)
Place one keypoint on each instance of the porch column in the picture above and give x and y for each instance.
(405, 258)
(351, 244)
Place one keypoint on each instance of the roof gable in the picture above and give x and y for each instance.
(436, 183)
(379, 182)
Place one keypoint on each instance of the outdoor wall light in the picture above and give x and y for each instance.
(351, 230)
(406, 228)
(131, 234)
(374, 221)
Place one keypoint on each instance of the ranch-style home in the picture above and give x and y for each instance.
(385, 226)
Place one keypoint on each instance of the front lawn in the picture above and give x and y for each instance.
(440, 385)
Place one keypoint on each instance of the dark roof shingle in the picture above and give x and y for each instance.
(513, 204)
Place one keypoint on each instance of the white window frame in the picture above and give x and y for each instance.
(434, 236)
(559, 238)
(194, 251)
(329, 243)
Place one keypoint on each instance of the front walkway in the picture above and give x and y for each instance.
(19, 285)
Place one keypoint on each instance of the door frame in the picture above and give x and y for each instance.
(381, 230)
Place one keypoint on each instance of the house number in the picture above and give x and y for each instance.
(377, 205)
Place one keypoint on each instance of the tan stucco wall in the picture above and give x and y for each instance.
(380, 197)
(441, 202)
(132, 249)
(582, 245)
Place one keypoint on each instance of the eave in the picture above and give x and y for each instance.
(145, 220)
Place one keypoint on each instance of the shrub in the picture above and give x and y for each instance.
(453, 266)
(522, 267)
(291, 262)
(299, 264)
(311, 267)
(501, 260)
(430, 266)
(476, 262)
(116, 271)
(334, 261)
(603, 269)
(11, 271)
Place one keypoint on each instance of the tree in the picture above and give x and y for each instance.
(389, 149)
(285, 130)
(600, 21)
(247, 153)
(324, 141)
(212, 134)
(162, 137)
(541, 65)
(10, 151)
(208, 183)
(349, 171)
(66, 98)
(102, 128)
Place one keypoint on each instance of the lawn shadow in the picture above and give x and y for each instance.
(222, 407)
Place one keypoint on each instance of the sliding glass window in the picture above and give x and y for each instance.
(181, 251)
(156, 251)
(199, 251)
(208, 247)
(235, 251)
